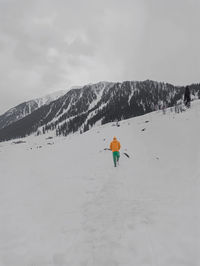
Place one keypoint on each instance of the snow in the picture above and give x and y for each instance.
(99, 94)
(65, 203)
(133, 89)
(50, 97)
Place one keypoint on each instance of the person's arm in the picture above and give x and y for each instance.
(119, 145)
(111, 146)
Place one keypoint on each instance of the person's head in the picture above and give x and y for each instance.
(114, 138)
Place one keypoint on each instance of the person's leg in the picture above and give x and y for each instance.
(118, 155)
(114, 158)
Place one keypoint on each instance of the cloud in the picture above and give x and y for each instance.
(50, 45)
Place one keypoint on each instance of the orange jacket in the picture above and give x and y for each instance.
(115, 145)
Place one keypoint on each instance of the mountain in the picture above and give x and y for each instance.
(20, 111)
(66, 205)
(81, 108)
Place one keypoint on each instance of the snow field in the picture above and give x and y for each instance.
(65, 204)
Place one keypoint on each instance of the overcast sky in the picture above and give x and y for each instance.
(48, 45)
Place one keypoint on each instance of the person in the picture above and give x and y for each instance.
(115, 147)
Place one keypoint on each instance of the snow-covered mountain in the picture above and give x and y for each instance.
(49, 97)
(20, 111)
(65, 204)
(82, 108)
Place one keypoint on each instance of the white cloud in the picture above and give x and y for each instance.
(49, 45)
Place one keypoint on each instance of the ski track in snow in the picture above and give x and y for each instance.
(66, 204)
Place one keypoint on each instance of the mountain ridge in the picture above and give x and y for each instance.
(81, 108)
(25, 108)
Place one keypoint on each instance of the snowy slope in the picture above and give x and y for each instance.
(65, 203)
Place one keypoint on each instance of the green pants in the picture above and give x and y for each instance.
(116, 156)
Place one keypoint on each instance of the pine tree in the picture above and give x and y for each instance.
(187, 97)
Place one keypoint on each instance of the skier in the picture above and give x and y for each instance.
(115, 147)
